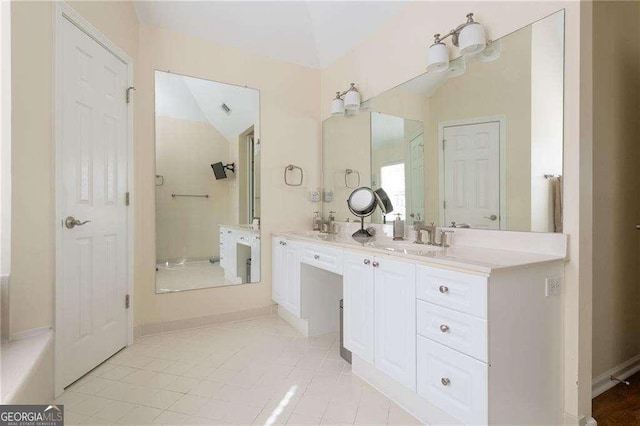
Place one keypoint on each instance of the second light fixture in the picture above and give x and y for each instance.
(348, 100)
(468, 37)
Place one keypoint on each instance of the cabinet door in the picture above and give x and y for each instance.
(291, 277)
(358, 305)
(231, 255)
(395, 320)
(277, 272)
(256, 261)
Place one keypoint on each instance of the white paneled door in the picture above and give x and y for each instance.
(472, 175)
(92, 185)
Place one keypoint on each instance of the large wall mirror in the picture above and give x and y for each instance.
(207, 183)
(478, 145)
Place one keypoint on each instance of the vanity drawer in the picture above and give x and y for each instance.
(454, 382)
(456, 330)
(455, 290)
(323, 257)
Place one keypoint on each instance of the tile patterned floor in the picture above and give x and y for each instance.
(259, 372)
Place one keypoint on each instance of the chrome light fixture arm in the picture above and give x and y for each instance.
(339, 95)
(455, 33)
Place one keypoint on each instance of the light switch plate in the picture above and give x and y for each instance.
(553, 286)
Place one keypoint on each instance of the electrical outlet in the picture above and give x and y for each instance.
(315, 195)
(328, 195)
(553, 286)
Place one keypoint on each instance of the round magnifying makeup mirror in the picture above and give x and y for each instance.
(362, 203)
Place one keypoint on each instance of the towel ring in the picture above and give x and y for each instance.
(291, 168)
(346, 178)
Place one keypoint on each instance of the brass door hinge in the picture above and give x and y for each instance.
(127, 199)
(127, 301)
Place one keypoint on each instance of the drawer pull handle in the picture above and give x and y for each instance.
(366, 261)
(443, 289)
(444, 328)
(445, 381)
(316, 257)
(376, 264)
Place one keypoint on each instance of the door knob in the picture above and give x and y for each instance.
(638, 227)
(492, 217)
(71, 222)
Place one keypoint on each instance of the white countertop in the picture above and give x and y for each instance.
(478, 260)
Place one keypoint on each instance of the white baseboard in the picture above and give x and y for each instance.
(199, 322)
(603, 382)
(302, 325)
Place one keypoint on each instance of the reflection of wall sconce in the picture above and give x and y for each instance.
(492, 52)
(469, 37)
(348, 100)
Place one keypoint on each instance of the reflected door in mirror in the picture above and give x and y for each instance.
(472, 175)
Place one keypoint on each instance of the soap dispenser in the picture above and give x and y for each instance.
(317, 221)
(332, 223)
(398, 228)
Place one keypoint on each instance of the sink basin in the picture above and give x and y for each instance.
(406, 247)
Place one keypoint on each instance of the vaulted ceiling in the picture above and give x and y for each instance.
(308, 33)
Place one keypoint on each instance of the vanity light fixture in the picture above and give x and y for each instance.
(469, 37)
(346, 101)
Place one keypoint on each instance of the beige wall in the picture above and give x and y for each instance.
(396, 53)
(188, 227)
(616, 255)
(289, 133)
(33, 234)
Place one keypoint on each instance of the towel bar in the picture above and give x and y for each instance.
(190, 195)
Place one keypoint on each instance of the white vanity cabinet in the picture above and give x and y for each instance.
(451, 343)
(230, 264)
(379, 314)
(238, 244)
(286, 275)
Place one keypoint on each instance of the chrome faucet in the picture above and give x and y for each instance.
(431, 232)
(443, 238)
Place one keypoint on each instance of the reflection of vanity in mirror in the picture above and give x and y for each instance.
(478, 145)
(207, 184)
